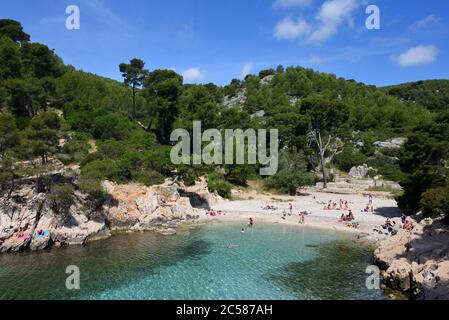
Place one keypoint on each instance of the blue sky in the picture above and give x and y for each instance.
(216, 41)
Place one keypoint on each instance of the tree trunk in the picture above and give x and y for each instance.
(134, 102)
(324, 170)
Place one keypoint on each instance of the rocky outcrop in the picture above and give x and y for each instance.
(235, 101)
(137, 207)
(395, 143)
(134, 207)
(417, 262)
(360, 172)
(265, 81)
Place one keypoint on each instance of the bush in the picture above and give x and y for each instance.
(218, 184)
(188, 175)
(61, 197)
(291, 175)
(112, 149)
(102, 170)
(149, 177)
(92, 187)
(387, 167)
(349, 158)
(435, 202)
(90, 158)
(77, 147)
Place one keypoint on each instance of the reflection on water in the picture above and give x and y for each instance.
(268, 262)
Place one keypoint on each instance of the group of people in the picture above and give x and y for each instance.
(269, 207)
(344, 205)
(391, 227)
(407, 224)
(230, 245)
(348, 217)
(213, 213)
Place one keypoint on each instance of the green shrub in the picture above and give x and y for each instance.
(348, 158)
(90, 158)
(435, 202)
(102, 170)
(148, 177)
(218, 184)
(387, 167)
(61, 197)
(77, 147)
(292, 173)
(92, 187)
(112, 149)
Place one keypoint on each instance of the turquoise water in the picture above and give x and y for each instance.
(268, 262)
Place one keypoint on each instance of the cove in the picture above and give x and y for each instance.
(269, 262)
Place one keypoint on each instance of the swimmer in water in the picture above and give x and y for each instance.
(243, 230)
(230, 245)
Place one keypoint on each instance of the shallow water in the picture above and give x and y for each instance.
(268, 262)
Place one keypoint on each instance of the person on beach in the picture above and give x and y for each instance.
(370, 200)
(302, 219)
(408, 226)
(403, 218)
(251, 222)
(291, 208)
(350, 216)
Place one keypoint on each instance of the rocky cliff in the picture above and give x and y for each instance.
(28, 219)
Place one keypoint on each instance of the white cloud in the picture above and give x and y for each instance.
(289, 29)
(246, 70)
(331, 15)
(102, 11)
(292, 3)
(193, 75)
(417, 56)
(425, 22)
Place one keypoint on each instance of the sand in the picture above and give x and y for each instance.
(313, 202)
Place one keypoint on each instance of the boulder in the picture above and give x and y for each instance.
(258, 114)
(40, 243)
(359, 172)
(395, 143)
(400, 275)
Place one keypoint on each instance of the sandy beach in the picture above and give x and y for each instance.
(313, 202)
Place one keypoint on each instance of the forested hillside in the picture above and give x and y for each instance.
(433, 94)
(50, 110)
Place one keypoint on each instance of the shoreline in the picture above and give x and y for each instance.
(318, 218)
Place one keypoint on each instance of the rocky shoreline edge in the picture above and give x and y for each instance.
(28, 219)
(417, 263)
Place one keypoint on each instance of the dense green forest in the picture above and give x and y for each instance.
(43, 102)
